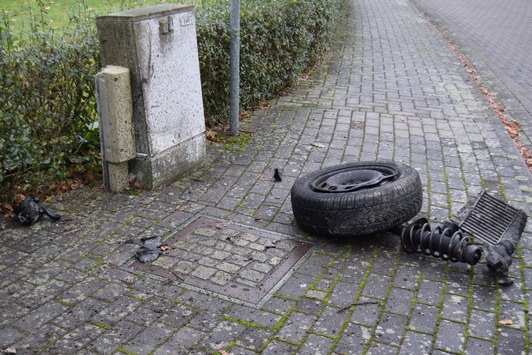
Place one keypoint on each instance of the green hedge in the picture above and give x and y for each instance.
(48, 115)
(279, 40)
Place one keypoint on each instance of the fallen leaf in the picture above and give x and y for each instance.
(263, 104)
(89, 176)
(506, 322)
(318, 145)
(7, 207)
(210, 134)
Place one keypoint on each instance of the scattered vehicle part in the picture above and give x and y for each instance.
(419, 237)
(277, 176)
(356, 198)
(367, 197)
(147, 255)
(152, 243)
(489, 220)
(150, 250)
(498, 225)
(31, 210)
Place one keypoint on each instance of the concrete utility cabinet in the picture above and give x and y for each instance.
(158, 45)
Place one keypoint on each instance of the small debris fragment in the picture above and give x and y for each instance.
(152, 243)
(277, 176)
(150, 250)
(31, 210)
(71, 230)
(147, 255)
(222, 225)
(269, 244)
(318, 145)
(10, 351)
(364, 303)
(506, 281)
(129, 281)
(506, 322)
(177, 276)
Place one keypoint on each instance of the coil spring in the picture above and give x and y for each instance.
(421, 238)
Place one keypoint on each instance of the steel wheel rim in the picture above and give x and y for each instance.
(353, 179)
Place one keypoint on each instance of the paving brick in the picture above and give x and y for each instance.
(108, 342)
(399, 301)
(475, 345)
(149, 339)
(222, 335)
(424, 318)
(317, 345)
(181, 342)
(279, 347)
(296, 326)
(75, 340)
(376, 286)
(451, 336)
(40, 316)
(415, 343)
(354, 339)
(39, 339)
(255, 316)
(116, 311)
(391, 328)
(80, 313)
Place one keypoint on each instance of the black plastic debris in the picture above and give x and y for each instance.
(152, 243)
(150, 249)
(277, 176)
(31, 210)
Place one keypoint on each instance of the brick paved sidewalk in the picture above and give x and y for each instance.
(495, 38)
(391, 89)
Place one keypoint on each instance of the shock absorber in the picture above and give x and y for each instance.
(439, 242)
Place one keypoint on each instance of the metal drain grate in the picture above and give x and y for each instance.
(235, 261)
(489, 219)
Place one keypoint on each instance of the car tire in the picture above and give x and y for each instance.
(336, 201)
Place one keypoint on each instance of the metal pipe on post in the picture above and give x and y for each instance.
(234, 110)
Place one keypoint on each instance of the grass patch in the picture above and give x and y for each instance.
(56, 13)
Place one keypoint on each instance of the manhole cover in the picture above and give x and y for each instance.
(236, 261)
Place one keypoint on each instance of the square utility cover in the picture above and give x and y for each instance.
(235, 261)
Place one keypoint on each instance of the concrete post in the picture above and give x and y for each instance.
(115, 116)
(234, 111)
(158, 44)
